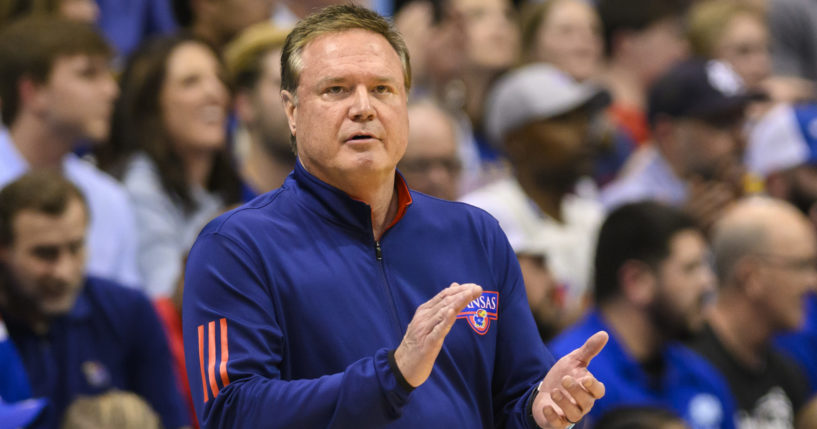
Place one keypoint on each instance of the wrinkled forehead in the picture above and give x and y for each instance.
(370, 51)
(36, 228)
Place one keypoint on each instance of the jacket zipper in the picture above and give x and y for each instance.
(378, 250)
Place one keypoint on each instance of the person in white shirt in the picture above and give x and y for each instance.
(58, 93)
(542, 119)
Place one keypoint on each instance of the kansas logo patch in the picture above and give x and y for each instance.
(481, 311)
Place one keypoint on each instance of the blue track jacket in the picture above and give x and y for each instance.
(291, 308)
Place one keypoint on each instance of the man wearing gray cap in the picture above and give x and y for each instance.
(543, 121)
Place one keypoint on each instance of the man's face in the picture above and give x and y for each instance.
(350, 117)
(46, 259)
(268, 118)
(685, 283)
(710, 151)
(78, 97)
(558, 151)
(788, 272)
(431, 164)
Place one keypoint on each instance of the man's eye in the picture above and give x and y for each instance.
(46, 253)
(333, 90)
(382, 89)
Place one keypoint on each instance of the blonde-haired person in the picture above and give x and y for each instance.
(738, 34)
(112, 410)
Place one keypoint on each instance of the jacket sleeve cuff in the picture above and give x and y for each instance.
(529, 407)
(401, 380)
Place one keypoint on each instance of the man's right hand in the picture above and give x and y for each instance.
(424, 337)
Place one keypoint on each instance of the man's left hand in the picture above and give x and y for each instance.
(569, 390)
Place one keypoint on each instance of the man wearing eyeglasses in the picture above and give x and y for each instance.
(432, 164)
(766, 256)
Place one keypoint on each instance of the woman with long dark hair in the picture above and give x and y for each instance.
(169, 147)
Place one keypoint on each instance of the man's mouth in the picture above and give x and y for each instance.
(361, 136)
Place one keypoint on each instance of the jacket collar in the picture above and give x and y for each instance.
(338, 207)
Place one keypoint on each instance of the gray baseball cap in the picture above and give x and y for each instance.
(535, 92)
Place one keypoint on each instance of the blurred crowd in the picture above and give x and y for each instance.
(652, 163)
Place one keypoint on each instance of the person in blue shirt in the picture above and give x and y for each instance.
(652, 280)
(17, 407)
(76, 335)
(343, 299)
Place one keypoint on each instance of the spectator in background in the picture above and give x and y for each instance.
(766, 257)
(17, 409)
(431, 163)
(652, 281)
(567, 34)
(642, 40)
(697, 113)
(480, 41)
(435, 34)
(564, 33)
(168, 143)
(218, 21)
(58, 92)
(76, 334)
(783, 150)
(737, 33)
(265, 154)
(543, 121)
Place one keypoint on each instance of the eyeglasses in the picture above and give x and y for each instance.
(791, 263)
(423, 165)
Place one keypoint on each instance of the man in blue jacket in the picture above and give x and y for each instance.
(77, 335)
(324, 303)
(652, 281)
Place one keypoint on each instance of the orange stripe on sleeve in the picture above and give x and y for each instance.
(211, 361)
(201, 362)
(225, 354)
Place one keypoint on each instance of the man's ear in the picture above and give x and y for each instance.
(748, 274)
(290, 108)
(637, 282)
(31, 96)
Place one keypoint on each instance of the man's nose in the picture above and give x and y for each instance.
(361, 109)
(64, 267)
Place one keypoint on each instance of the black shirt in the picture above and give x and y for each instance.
(765, 397)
